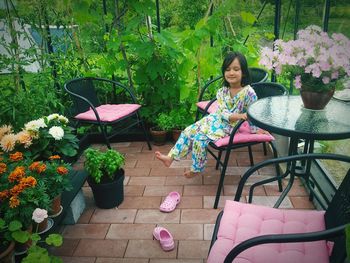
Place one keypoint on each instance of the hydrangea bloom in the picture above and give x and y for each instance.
(56, 132)
(315, 58)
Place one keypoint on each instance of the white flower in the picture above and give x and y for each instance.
(35, 125)
(39, 215)
(56, 132)
(53, 116)
(62, 119)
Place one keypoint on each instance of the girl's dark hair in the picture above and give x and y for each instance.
(244, 67)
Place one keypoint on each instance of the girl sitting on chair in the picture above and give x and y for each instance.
(233, 100)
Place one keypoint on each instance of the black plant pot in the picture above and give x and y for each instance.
(108, 195)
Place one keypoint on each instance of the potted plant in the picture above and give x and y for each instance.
(180, 119)
(159, 130)
(105, 176)
(9, 233)
(315, 60)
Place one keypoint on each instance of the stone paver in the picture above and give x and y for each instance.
(113, 216)
(147, 249)
(100, 248)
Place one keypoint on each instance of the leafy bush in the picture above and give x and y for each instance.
(102, 166)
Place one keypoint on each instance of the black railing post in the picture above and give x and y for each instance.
(326, 12)
(276, 29)
(158, 16)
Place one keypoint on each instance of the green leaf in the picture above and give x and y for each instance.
(21, 236)
(14, 225)
(248, 17)
(54, 239)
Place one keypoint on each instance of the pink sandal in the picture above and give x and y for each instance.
(170, 202)
(165, 238)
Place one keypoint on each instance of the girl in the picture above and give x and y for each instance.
(233, 100)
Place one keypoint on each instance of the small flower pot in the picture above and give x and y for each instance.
(159, 137)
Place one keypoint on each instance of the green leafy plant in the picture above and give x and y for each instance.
(102, 166)
(163, 122)
(12, 231)
(180, 118)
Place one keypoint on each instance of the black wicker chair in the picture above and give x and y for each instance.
(112, 119)
(262, 89)
(208, 92)
(334, 221)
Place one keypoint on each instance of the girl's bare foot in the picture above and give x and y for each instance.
(166, 160)
(190, 174)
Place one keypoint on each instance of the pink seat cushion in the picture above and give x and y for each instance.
(242, 221)
(243, 135)
(109, 112)
(213, 107)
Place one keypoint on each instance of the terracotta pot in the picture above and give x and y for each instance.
(176, 134)
(8, 256)
(159, 137)
(55, 208)
(316, 100)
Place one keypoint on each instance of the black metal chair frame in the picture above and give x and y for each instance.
(337, 214)
(93, 102)
(259, 89)
(207, 86)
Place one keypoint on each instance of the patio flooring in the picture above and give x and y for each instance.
(124, 234)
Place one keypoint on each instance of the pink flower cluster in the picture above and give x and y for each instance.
(314, 53)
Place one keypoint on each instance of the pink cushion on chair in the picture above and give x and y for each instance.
(213, 107)
(109, 112)
(242, 221)
(243, 135)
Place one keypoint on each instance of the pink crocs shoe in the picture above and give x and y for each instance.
(165, 238)
(170, 202)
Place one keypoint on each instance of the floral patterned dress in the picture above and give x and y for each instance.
(197, 136)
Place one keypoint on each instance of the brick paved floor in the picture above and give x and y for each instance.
(124, 234)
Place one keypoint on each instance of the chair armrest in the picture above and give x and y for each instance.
(285, 238)
(86, 101)
(200, 98)
(208, 106)
(300, 157)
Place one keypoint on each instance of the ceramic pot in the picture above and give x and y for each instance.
(316, 100)
(176, 134)
(41, 226)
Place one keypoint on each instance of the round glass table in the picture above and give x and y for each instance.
(286, 115)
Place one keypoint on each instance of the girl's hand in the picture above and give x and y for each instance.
(238, 116)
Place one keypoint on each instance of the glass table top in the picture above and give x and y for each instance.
(286, 115)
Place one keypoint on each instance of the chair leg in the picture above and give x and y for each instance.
(222, 177)
(264, 147)
(146, 135)
(218, 160)
(278, 171)
(104, 133)
(250, 155)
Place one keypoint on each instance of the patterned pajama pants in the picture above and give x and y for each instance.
(192, 139)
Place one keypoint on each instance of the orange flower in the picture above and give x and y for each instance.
(17, 189)
(17, 174)
(62, 170)
(4, 194)
(14, 201)
(54, 157)
(3, 168)
(17, 156)
(37, 167)
(34, 166)
(28, 181)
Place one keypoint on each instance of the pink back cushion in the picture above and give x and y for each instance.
(109, 112)
(243, 135)
(213, 107)
(242, 221)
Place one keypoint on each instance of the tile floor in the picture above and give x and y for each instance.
(124, 234)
